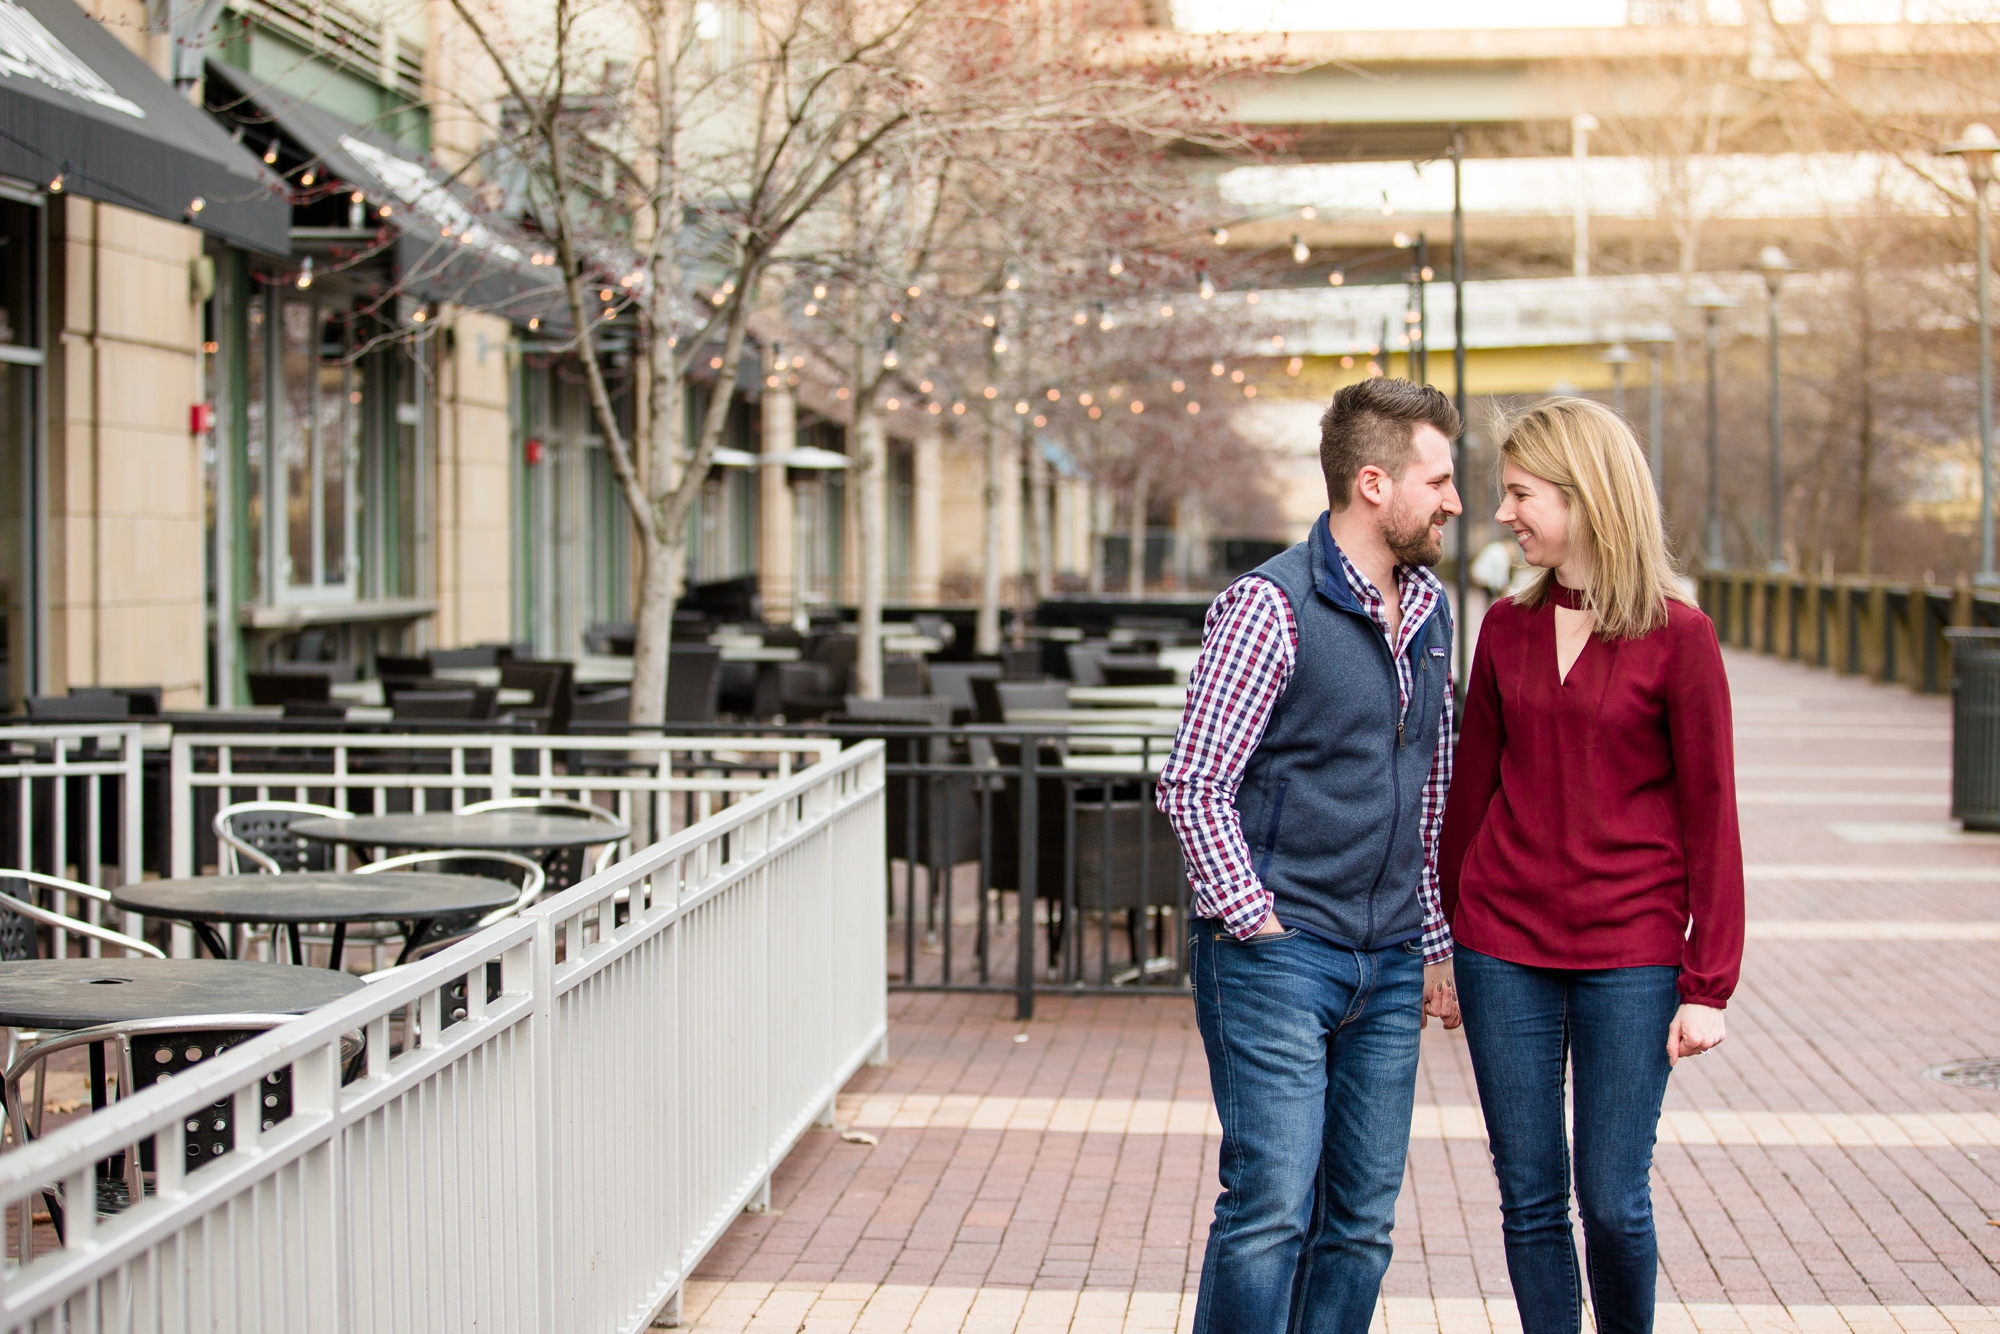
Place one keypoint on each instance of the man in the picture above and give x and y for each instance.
(1307, 784)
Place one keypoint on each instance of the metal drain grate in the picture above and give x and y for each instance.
(1980, 1074)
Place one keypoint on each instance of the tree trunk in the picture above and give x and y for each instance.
(870, 510)
(986, 638)
(663, 560)
(1094, 523)
(1135, 573)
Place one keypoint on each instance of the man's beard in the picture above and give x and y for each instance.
(1419, 542)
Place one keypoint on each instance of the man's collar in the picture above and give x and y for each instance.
(1333, 560)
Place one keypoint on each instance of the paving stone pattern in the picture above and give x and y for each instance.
(960, 1227)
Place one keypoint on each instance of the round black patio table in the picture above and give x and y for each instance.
(81, 993)
(495, 831)
(294, 900)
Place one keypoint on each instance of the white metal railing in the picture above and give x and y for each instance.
(69, 791)
(558, 1160)
(652, 784)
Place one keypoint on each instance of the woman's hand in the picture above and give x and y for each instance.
(1696, 1029)
(1440, 995)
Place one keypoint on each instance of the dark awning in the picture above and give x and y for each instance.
(75, 105)
(440, 247)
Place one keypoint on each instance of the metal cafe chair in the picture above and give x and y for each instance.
(260, 833)
(147, 1051)
(507, 866)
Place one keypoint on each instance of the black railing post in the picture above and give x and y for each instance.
(1025, 890)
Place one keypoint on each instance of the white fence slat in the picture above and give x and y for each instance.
(558, 1160)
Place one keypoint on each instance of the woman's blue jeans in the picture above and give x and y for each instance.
(1610, 1024)
(1312, 1052)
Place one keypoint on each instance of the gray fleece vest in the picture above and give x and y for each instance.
(1332, 797)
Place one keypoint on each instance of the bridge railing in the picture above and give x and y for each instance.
(542, 1129)
(1887, 630)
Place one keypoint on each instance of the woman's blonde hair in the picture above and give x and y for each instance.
(1589, 454)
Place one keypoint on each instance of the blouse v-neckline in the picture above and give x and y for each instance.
(1568, 599)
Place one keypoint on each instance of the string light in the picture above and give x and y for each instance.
(792, 380)
(889, 360)
(56, 185)
(1295, 365)
(988, 321)
(1388, 209)
(1336, 278)
(999, 345)
(1180, 387)
(990, 392)
(604, 294)
(1309, 213)
(841, 393)
(915, 291)
(895, 317)
(925, 387)
(1095, 413)
(958, 409)
(1219, 234)
(1084, 399)
(197, 204)
(1081, 317)
(895, 405)
(1301, 252)
(1402, 240)
(1021, 408)
(715, 363)
(1251, 298)
(1217, 368)
(271, 153)
(385, 211)
(1041, 420)
(936, 408)
(1347, 363)
(1236, 377)
(1166, 312)
(1055, 395)
(819, 291)
(1194, 407)
(305, 278)
(1117, 266)
(1249, 391)
(1013, 283)
(1277, 342)
(306, 179)
(419, 315)
(811, 310)
(798, 363)
(1206, 288)
(1104, 321)
(1425, 273)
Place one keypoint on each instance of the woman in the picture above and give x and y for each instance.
(1590, 862)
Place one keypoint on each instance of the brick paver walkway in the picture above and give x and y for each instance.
(1060, 1174)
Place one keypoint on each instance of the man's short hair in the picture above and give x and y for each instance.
(1374, 422)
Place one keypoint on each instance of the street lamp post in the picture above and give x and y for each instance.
(1711, 304)
(1655, 342)
(1618, 357)
(1977, 146)
(1774, 264)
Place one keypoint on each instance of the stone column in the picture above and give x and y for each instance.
(927, 516)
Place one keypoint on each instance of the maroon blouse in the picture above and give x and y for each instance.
(1590, 820)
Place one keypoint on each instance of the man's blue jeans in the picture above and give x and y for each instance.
(1611, 1024)
(1312, 1051)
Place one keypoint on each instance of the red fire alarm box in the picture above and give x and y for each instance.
(201, 419)
(533, 449)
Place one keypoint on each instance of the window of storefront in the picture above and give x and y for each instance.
(20, 446)
(334, 507)
(573, 549)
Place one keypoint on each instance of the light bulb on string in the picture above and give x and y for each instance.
(1180, 386)
(308, 178)
(924, 388)
(819, 291)
(1336, 278)
(1216, 368)
(1194, 407)
(1166, 312)
(1104, 320)
(958, 409)
(915, 291)
(810, 310)
(1301, 252)
(1425, 273)
(271, 153)
(1095, 413)
(1401, 240)
(1205, 287)
(1040, 420)
(999, 345)
(1116, 267)
(1388, 209)
(1013, 283)
(1220, 235)
(1054, 395)
(305, 278)
(990, 392)
(1021, 408)
(1083, 399)
(1308, 213)
(1081, 317)
(889, 359)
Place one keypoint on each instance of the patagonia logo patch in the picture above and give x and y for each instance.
(1437, 650)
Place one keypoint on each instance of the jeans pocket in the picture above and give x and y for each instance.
(1285, 934)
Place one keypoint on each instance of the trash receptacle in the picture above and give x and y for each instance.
(1975, 727)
